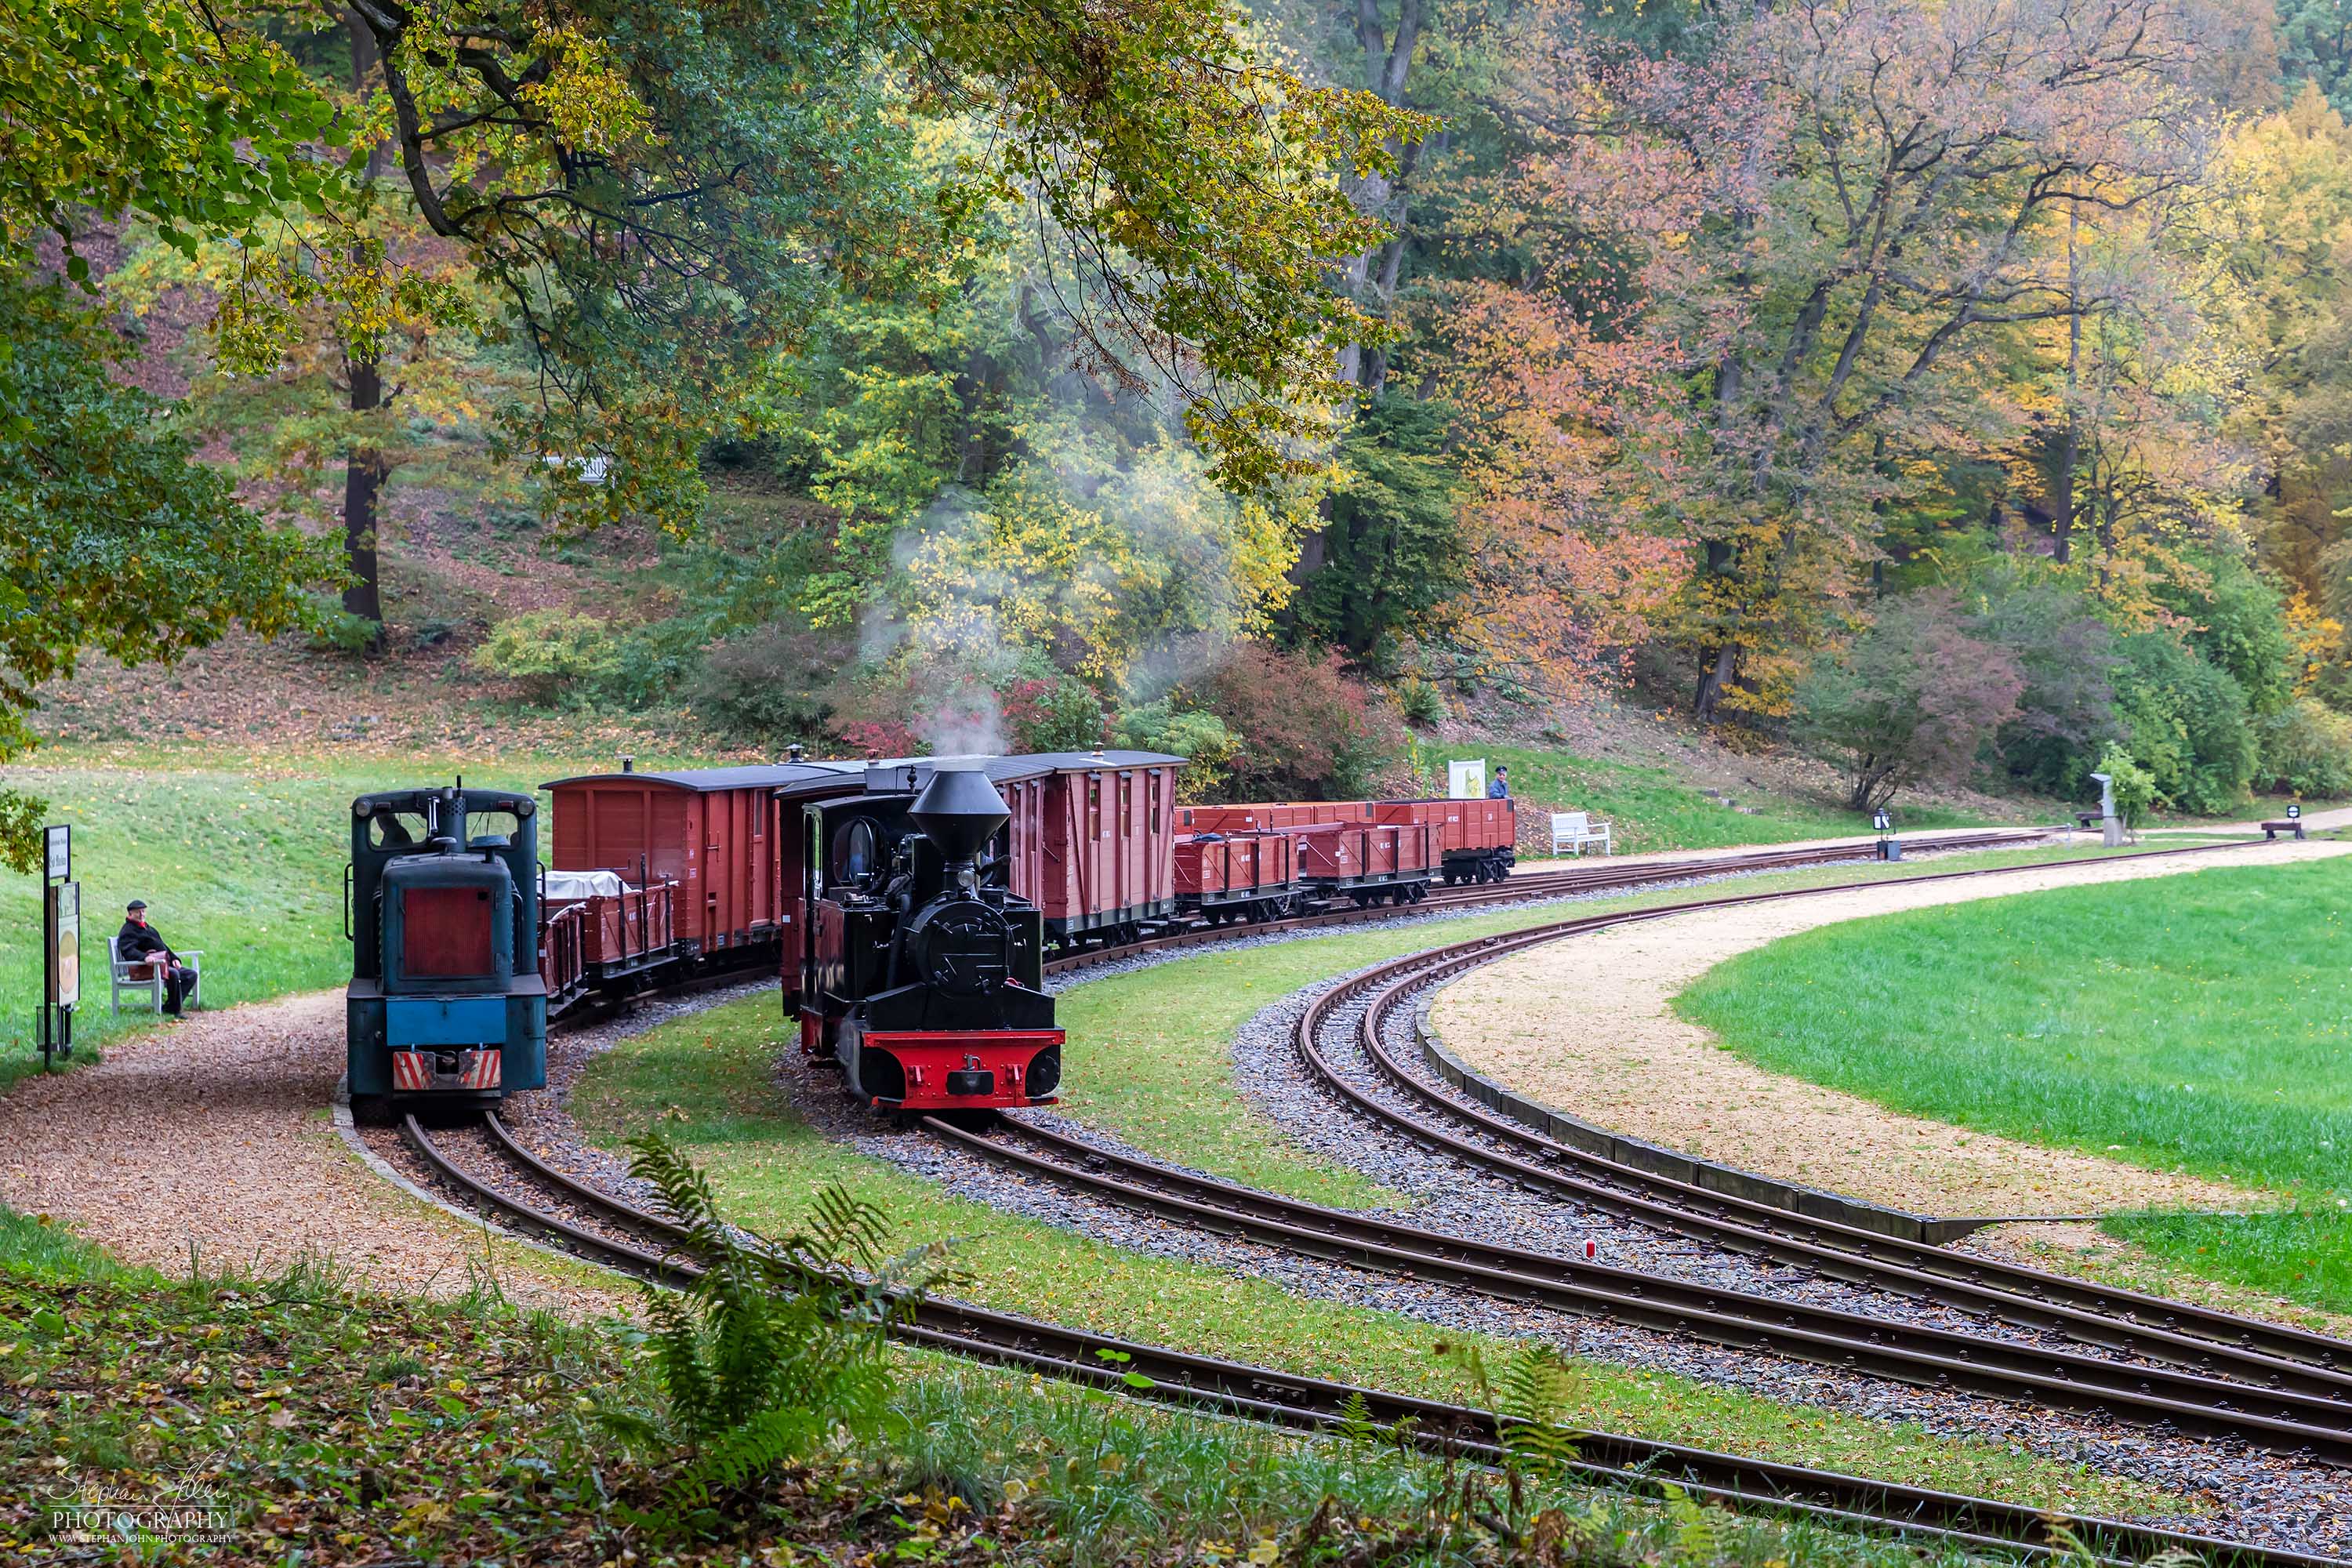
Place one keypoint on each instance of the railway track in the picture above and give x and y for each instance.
(2128, 1321)
(2279, 1405)
(609, 1230)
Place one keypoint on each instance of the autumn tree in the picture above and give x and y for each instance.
(1840, 213)
(1911, 700)
(113, 536)
(666, 208)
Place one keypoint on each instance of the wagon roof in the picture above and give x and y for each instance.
(901, 773)
(815, 777)
(778, 776)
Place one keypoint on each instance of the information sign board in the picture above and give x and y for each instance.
(1466, 781)
(65, 946)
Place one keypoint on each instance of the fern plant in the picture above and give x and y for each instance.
(1527, 1397)
(779, 1344)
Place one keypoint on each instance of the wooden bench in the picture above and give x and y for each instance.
(137, 974)
(2287, 825)
(1575, 829)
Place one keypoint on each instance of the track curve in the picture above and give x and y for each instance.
(1279, 1398)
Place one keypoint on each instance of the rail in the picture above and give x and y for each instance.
(1276, 1397)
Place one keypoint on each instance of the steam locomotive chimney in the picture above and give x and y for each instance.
(793, 753)
(959, 811)
(628, 763)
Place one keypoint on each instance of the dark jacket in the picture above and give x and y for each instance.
(135, 941)
(1498, 789)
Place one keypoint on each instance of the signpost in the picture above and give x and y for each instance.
(60, 946)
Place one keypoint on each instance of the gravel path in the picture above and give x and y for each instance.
(1588, 1025)
(212, 1140)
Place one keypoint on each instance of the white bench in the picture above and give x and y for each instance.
(1573, 830)
(125, 978)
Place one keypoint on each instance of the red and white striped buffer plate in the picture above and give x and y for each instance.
(412, 1071)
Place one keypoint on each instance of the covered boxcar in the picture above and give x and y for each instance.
(1092, 836)
(716, 833)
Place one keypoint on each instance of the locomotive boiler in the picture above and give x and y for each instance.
(446, 1003)
(922, 971)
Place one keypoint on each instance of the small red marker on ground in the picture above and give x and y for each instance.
(1592, 1249)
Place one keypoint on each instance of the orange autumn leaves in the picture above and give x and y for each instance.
(1562, 426)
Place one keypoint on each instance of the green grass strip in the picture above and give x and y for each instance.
(1155, 1061)
(1654, 808)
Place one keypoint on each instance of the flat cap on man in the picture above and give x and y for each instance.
(137, 903)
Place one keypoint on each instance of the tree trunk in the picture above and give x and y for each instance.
(2070, 451)
(365, 469)
(364, 474)
(1712, 680)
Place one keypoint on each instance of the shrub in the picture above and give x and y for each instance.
(876, 738)
(2306, 749)
(334, 629)
(1913, 697)
(551, 654)
(2132, 787)
(779, 1343)
(2185, 722)
(1420, 701)
(772, 684)
(1303, 726)
(2067, 712)
(1061, 714)
(2241, 629)
(1201, 738)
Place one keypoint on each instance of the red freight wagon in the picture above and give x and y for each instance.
(1478, 838)
(713, 831)
(1368, 862)
(1241, 875)
(1221, 818)
(1092, 838)
(623, 928)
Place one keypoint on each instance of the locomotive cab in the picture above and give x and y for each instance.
(922, 973)
(446, 1002)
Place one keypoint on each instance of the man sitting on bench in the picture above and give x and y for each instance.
(138, 942)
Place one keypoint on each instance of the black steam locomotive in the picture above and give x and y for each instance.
(922, 972)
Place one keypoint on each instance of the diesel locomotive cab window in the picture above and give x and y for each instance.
(482, 825)
(397, 830)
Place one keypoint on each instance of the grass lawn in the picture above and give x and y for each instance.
(1654, 808)
(2198, 1023)
(710, 1082)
